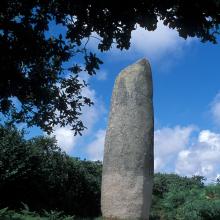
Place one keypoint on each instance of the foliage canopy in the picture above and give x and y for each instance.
(40, 68)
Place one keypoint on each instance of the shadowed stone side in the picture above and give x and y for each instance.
(128, 156)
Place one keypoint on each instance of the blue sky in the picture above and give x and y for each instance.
(186, 77)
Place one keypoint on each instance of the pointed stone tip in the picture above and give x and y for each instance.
(140, 66)
(143, 61)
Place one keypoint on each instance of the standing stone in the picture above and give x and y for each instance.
(128, 164)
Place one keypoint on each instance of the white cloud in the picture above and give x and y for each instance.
(96, 148)
(202, 158)
(65, 138)
(90, 115)
(167, 144)
(215, 109)
(158, 163)
(210, 138)
(176, 149)
(157, 43)
(171, 140)
(160, 43)
(101, 75)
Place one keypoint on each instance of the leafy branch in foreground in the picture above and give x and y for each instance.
(43, 42)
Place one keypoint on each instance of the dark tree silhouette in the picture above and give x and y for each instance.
(39, 67)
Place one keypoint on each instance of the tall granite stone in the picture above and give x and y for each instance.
(128, 164)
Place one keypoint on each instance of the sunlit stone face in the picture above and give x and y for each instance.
(128, 155)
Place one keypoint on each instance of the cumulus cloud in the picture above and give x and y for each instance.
(210, 138)
(96, 147)
(202, 158)
(215, 109)
(155, 45)
(178, 149)
(168, 142)
(90, 115)
(65, 138)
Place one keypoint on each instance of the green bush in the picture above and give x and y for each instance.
(182, 198)
(6, 214)
(38, 173)
(25, 214)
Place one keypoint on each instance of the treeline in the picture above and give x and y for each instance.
(36, 172)
(183, 198)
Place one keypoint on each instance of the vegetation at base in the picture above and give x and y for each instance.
(184, 198)
(26, 214)
(36, 172)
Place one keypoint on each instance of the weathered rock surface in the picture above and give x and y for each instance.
(128, 155)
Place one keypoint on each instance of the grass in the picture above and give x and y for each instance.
(6, 214)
